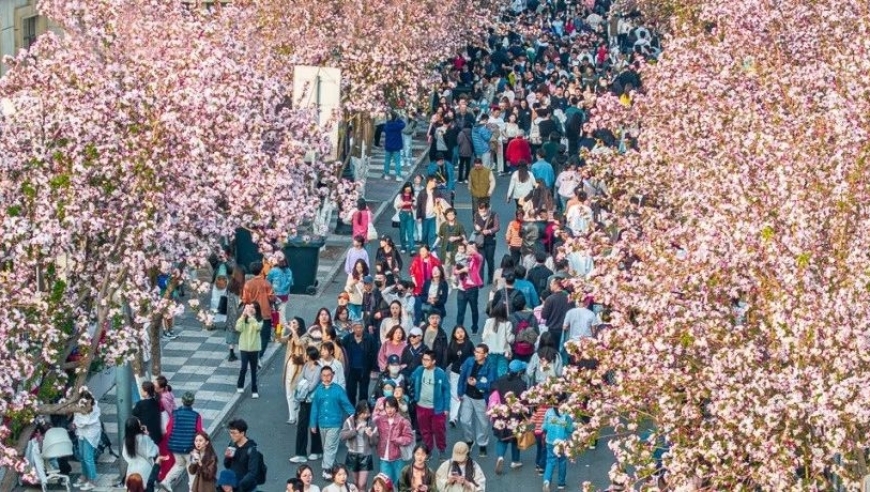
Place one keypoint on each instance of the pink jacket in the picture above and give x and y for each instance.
(473, 279)
(392, 437)
(360, 222)
(388, 349)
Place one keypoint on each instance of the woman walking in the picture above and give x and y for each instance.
(248, 327)
(234, 309)
(203, 464)
(305, 387)
(88, 432)
(294, 361)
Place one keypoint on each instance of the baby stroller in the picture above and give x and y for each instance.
(55, 444)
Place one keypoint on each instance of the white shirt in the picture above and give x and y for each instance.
(579, 322)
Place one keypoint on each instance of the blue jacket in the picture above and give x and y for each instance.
(450, 182)
(544, 170)
(529, 292)
(329, 407)
(441, 392)
(557, 427)
(281, 280)
(393, 135)
(480, 136)
(485, 377)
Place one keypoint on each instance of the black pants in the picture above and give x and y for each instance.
(467, 298)
(379, 130)
(573, 144)
(464, 168)
(516, 254)
(265, 335)
(488, 253)
(358, 385)
(248, 358)
(303, 430)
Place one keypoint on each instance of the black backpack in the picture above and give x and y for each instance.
(263, 469)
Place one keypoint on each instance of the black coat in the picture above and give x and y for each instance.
(148, 413)
(369, 348)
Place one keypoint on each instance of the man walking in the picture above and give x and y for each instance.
(469, 282)
(480, 137)
(486, 224)
(393, 145)
(481, 183)
(475, 379)
(329, 407)
(258, 290)
(242, 456)
(361, 353)
(432, 395)
(183, 425)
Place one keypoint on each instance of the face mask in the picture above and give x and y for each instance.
(394, 370)
(388, 393)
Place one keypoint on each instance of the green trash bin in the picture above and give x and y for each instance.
(303, 258)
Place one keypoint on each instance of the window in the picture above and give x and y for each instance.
(28, 31)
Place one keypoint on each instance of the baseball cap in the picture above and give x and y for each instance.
(460, 452)
(393, 360)
(416, 332)
(368, 279)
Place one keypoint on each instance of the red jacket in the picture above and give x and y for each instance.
(418, 272)
(518, 150)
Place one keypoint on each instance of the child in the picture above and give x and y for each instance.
(460, 260)
(557, 428)
(359, 444)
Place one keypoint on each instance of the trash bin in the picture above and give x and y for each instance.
(303, 258)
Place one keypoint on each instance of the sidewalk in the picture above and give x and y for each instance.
(197, 360)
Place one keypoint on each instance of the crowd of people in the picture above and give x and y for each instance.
(379, 373)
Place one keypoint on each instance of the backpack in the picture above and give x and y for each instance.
(526, 334)
(261, 472)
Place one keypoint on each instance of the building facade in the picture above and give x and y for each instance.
(20, 25)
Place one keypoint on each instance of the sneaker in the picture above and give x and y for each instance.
(516, 464)
(399, 178)
(453, 424)
(291, 421)
(546, 487)
(166, 336)
(240, 390)
(313, 456)
(259, 365)
(482, 452)
(298, 459)
(560, 487)
(255, 395)
(233, 357)
(86, 486)
(499, 465)
(539, 470)
(327, 476)
(403, 251)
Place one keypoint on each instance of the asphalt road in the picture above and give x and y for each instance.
(266, 417)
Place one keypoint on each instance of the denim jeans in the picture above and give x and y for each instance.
(428, 232)
(407, 150)
(406, 230)
(248, 358)
(500, 362)
(330, 446)
(540, 451)
(501, 448)
(392, 469)
(89, 464)
(265, 335)
(394, 156)
(467, 298)
(552, 462)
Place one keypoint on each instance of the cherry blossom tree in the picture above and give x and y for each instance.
(134, 142)
(738, 285)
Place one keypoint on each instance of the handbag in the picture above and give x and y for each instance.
(478, 237)
(372, 233)
(407, 452)
(394, 220)
(526, 439)
(300, 394)
(222, 305)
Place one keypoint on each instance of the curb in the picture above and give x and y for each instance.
(330, 276)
